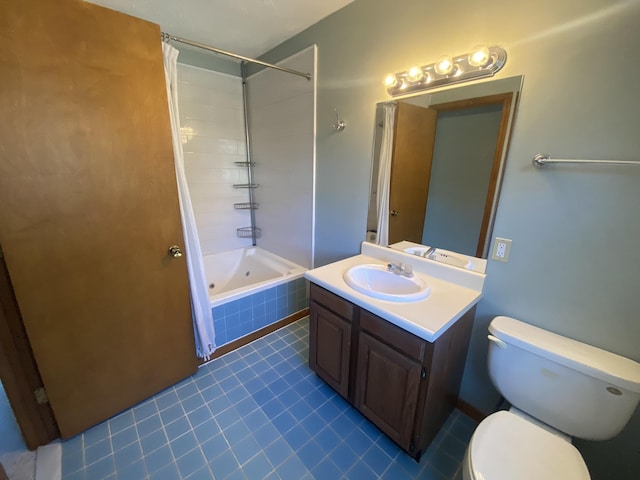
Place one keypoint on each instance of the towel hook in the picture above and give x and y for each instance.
(340, 124)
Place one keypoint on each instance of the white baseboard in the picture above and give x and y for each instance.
(49, 462)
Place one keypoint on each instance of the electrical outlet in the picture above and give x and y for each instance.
(501, 249)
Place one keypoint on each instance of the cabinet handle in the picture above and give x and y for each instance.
(394, 213)
(175, 251)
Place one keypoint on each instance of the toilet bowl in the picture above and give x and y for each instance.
(559, 388)
(507, 447)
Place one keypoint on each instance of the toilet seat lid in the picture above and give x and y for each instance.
(506, 446)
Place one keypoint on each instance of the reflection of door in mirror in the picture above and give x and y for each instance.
(466, 162)
(414, 136)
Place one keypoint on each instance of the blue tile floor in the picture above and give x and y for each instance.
(258, 412)
(10, 437)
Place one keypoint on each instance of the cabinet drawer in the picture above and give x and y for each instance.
(400, 339)
(331, 301)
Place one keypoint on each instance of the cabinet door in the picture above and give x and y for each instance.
(89, 207)
(329, 347)
(387, 385)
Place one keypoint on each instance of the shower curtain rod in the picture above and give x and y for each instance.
(168, 36)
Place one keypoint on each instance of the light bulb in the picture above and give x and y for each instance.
(390, 81)
(415, 74)
(444, 65)
(479, 56)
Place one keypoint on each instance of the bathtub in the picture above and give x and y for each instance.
(250, 288)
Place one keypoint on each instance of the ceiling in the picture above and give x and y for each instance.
(246, 27)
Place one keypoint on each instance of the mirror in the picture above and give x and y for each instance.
(447, 163)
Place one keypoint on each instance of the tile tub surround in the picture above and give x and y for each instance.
(258, 412)
(282, 113)
(213, 139)
(241, 317)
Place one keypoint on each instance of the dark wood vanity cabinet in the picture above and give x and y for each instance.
(330, 351)
(387, 388)
(403, 384)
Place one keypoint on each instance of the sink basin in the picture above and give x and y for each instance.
(448, 258)
(451, 259)
(374, 280)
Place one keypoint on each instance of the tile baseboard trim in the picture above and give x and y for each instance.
(242, 341)
(470, 411)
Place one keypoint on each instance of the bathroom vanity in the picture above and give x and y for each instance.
(399, 362)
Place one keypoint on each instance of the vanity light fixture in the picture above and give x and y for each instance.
(481, 62)
(479, 56)
(444, 65)
(415, 74)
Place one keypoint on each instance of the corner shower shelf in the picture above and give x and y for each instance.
(249, 232)
(246, 185)
(246, 206)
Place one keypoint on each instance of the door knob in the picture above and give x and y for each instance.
(175, 251)
(393, 213)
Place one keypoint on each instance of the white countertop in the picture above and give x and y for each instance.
(453, 291)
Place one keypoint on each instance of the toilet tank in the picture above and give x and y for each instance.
(581, 390)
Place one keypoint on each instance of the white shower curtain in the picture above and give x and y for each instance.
(384, 173)
(200, 304)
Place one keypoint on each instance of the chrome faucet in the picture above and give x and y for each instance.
(429, 252)
(406, 270)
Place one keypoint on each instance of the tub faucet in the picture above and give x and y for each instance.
(406, 270)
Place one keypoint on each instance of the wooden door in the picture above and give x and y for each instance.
(89, 207)
(387, 387)
(414, 138)
(330, 347)
(19, 371)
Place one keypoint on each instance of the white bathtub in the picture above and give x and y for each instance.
(237, 273)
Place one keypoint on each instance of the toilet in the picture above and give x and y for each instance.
(558, 388)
